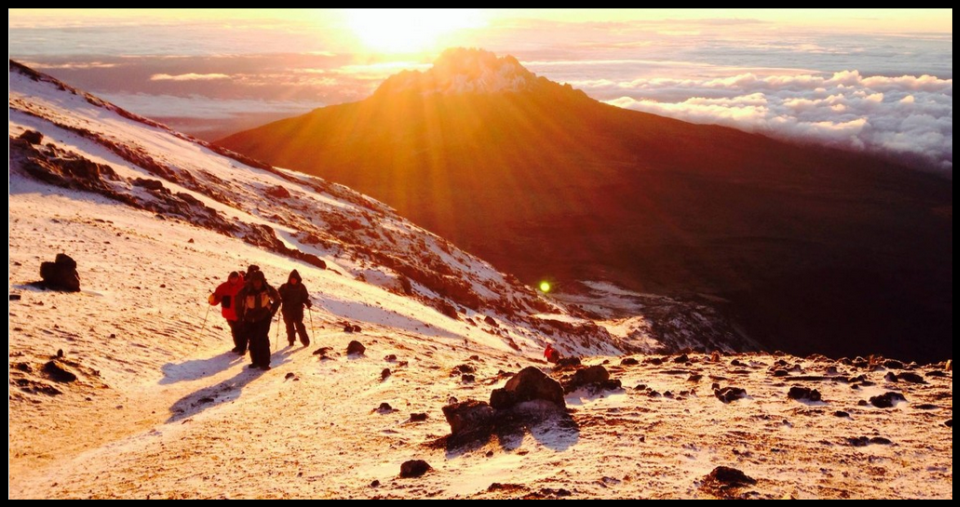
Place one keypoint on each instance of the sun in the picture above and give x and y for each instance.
(408, 30)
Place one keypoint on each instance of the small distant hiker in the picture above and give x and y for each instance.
(258, 303)
(551, 354)
(226, 296)
(294, 296)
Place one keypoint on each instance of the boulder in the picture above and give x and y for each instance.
(681, 359)
(31, 136)
(61, 274)
(594, 375)
(148, 184)
(469, 417)
(728, 394)
(418, 417)
(886, 400)
(893, 364)
(278, 192)
(629, 361)
(58, 372)
(803, 393)
(722, 478)
(355, 347)
(565, 362)
(529, 384)
(909, 376)
(489, 320)
(414, 468)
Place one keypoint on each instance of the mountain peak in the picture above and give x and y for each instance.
(465, 70)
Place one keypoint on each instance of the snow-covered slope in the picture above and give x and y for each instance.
(159, 408)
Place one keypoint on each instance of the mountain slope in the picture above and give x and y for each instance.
(160, 409)
(819, 250)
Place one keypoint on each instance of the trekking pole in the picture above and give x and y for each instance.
(204, 321)
(276, 336)
(312, 330)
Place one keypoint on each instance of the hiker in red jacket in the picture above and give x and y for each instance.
(225, 296)
(551, 354)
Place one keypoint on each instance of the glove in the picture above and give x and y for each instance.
(212, 299)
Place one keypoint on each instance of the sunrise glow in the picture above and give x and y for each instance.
(408, 30)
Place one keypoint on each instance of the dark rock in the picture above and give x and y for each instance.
(893, 364)
(163, 286)
(414, 468)
(780, 373)
(356, 329)
(736, 362)
(867, 383)
(390, 358)
(474, 357)
(57, 372)
(384, 374)
(668, 394)
(936, 373)
(845, 361)
(653, 394)
(322, 351)
(887, 399)
(59, 352)
(862, 403)
(278, 192)
(880, 441)
(469, 417)
(289, 375)
(384, 407)
(566, 362)
(611, 384)
(190, 240)
(681, 359)
(375, 484)
(448, 309)
(148, 184)
(728, 394)
(890, 377)
(803, 393)
(529, 384)
(461, 369)
(489, 320)
(14, 297)
(593, 375)
(858, 441)
(418, 417)
(726, 477)
(949, 423)
(355, 347)
(694, 377)
(908, 376)
(715, 386)
(348, 328)
(31, 136)
(629, 361)
(61, 274)
(832, 370)
(926, 406)
(656, 361)
(467, 378)
(841, 413)
(640, 387)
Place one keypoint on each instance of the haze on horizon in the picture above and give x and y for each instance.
(873, 80)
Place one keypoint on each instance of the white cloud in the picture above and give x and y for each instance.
(899, 116)
(188, 77)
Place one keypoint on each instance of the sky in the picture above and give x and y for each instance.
(872, 80)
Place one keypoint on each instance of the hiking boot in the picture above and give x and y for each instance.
(264, 367)
(290, 342)
(305, 342)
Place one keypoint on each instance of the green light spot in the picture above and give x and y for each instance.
(545, 286)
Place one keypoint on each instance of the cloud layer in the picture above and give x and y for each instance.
(907, 117)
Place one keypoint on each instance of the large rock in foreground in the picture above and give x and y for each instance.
(61, 274)
(469, 416)
(527, 385)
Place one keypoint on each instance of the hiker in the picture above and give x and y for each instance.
(551, 354)
(225, 295)
(258, 303)
(294, 295)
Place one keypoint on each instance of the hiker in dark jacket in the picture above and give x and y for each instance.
(225, 295)
(258, 303)
(294, 296)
